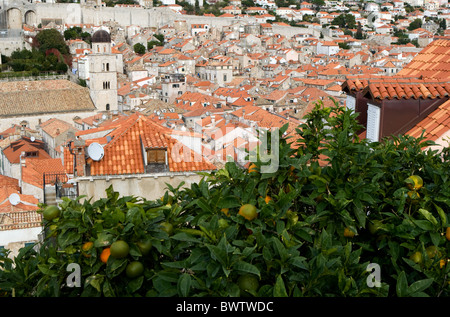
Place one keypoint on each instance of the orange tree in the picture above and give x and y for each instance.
(337, 204)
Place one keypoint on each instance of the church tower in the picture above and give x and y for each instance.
(103, 75)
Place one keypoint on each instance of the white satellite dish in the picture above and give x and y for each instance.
(32, 139)
(14, 199)
(95, 151)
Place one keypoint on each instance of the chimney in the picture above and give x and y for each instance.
(79, 157)
(213, 119)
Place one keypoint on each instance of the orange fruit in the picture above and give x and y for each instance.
(267, 199)
(432, 251)
(348, 233)
(105, 255)
(414, 182)
(248, 284)
(413, 196)
(134, 269)
(51, 212)
(225, 211)
(144, 246)
(442, 263)
(86, 247)
(248, 211)
(416, 257)
(167, 227)
(119, 249)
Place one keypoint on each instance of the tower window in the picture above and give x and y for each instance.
(107, 107)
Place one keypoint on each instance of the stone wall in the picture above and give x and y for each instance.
(149, 186)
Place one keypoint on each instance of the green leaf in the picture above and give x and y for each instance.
(103, 239)
(115, 266)
(183, 236)
(441, 214)
(135, 284)
(95, 281)
(228, 202)
(419, 286)
(428, 216)
(67, 238)
(184, 285)
(108, 291)
(402, 285)
(246, 268)
(218, 254)
(279, 290)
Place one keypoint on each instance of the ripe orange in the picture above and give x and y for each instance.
(348, 233)
(414, 182)
(86, 247)
(105, 255)
(248, 211)
(267, 199)
(413, 196)
(442, 263)
(225, 211)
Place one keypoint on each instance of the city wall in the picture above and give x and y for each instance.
(74, 13)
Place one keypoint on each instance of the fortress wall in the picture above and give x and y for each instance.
(74, 13)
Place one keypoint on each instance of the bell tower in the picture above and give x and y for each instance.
(103, 73)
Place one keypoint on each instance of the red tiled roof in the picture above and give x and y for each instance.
(433, 61)
(124, 155)
(24, 144)
(435, 124)
(34, 169)
(399, 88)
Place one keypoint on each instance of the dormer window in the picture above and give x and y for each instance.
(31, 154)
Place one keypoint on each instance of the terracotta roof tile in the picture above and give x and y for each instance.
(433, 61)
(435, 124)
(124, 154)
(398, 88)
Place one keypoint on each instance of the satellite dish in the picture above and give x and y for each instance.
(14, 199)
(95, 151)
(32, 139)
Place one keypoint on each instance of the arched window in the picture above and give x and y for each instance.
(107, 67)
(107, 107)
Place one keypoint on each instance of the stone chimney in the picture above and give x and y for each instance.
(80, 157)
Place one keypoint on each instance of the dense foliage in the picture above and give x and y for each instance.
(317, 227)
(35, 61)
